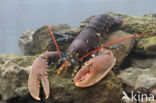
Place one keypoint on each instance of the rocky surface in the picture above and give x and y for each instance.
(13, 76)
(26, 42)
(64, 91)
(13, 80)
(137, 25)
(143, 61)
(147, 46)
(139, 80)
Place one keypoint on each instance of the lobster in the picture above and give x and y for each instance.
(87, 40)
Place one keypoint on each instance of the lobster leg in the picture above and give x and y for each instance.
(60, 34)
(64, 37)
(113, 47)
(39, 73)
(95, 69)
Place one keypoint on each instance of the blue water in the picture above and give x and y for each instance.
(16, 16)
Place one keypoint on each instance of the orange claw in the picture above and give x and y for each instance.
(39, 73)
(95, 69)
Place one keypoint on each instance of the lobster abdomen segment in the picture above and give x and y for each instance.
(88, 39)
(103, 22)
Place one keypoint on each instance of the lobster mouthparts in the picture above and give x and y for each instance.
(95, 69)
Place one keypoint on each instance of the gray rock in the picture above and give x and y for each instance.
(123, 51)
(126, 100)
(26, 41)
(144, 101)
(138, 80)
(143, 63)
(13, 80)
(34, 41)
(14, 71)
(63, 90)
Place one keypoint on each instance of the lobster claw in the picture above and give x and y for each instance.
(45, 85)
(34, 85)
(95, 69)
(38, 75)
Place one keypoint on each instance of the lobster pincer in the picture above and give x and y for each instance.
(39, 73)
(95, 69)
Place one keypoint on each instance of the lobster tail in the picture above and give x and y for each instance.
(102, 23)
(88, 39)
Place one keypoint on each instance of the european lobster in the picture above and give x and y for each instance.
(93, 70)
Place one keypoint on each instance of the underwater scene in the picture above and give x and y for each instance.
(84, 51)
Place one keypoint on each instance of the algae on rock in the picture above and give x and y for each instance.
(138, 25)
(22, 61)
(147, 45)
(107, 90)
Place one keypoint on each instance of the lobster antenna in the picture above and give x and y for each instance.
(111, 44)
(51, 32)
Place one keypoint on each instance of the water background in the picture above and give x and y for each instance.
(16, 16)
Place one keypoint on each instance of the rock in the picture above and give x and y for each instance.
(139, 80)
(144, 101)
(63, 90)
(127, 100)
(26, 41)
(153, 91)
(1, 101)
(147, 46)
(137, 25)
(13, 80)
(34, 41)
(123, 51)
(22, 61)
(14, 75)
(142, 62)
